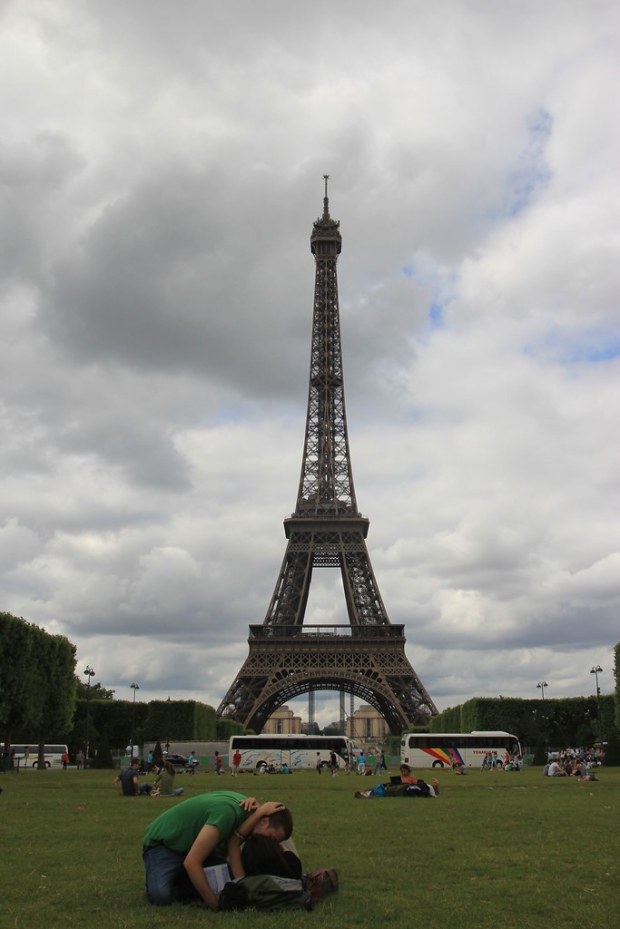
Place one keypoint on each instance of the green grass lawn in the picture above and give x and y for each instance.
(496, 849)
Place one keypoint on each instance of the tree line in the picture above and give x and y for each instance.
(544, 723)
(37, 680)
(42, 700)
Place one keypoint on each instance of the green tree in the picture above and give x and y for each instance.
(617, 687)
(37, 685)
(567, 721)
(540, 753)
(22, 686)
(334, 729)
(158, 755)
(180, 720)
(103, 755)
(97, 691)
(57, 670)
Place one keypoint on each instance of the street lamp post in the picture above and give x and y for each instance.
(541, 686)
(168, 727)
(134, 687)
(89, 672)
(596, 671)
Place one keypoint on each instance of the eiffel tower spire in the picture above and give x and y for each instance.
(326, 483)
(365, 657)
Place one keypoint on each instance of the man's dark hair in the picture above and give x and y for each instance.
(283, 820)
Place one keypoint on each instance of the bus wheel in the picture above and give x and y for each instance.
(260, 764)
(438, 764)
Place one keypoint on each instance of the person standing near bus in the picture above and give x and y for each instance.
(236, 761)
(319, 763)
(380, 764)
(333, 763)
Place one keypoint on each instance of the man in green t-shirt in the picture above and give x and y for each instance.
(181, 842)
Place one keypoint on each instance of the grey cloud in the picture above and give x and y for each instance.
(165, 280)
(33, 176)
(157, 311)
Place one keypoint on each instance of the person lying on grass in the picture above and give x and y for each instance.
(263, 856)
(193, 834)
(409, 786)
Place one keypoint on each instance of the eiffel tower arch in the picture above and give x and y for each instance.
(365, 657)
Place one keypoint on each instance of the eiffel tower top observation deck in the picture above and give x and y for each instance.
(366, 657)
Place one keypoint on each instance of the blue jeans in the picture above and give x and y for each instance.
(167, 880)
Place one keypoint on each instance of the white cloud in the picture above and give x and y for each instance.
(160, 175)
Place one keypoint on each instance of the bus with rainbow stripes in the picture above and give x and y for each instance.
(466, 749)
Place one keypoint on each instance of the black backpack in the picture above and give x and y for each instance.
(419, 789)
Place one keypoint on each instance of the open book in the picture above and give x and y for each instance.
(217, 875)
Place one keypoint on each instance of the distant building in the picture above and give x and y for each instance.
(283, 722)
(367, 725)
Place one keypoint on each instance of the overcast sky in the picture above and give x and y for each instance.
(160, 170)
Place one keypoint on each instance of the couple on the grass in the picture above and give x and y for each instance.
(210, 829)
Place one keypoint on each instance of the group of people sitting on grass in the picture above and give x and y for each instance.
(575, 768)
(127, 783)
(405, 784)
(508, 762)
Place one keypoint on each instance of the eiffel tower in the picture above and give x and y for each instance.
(365, 658)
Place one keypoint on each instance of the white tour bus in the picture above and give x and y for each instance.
(28, 755)
(443, 749)
(296, 751)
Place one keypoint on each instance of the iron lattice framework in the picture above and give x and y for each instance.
(366, 657)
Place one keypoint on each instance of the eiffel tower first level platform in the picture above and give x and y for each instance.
(365, 658)
(366, 661)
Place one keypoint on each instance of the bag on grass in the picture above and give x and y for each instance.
(265, 892)
(419, 789)
(321, 882)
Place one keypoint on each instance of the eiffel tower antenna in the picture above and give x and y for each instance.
(366, 657)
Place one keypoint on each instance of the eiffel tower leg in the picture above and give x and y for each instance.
(378, 670)
(364, 603)
(290, 597)
(287, 608)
